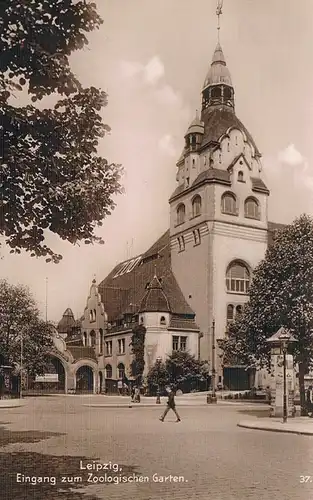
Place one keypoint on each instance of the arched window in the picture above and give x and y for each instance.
(108, 371)
(90, 315)
(101, 339)
(230, 312)
(227, 93)
(84, 338)
(237, 278)
(162, 320)
(120, 371)
(252, 208)
(196, 205)
(238, 311)
(92, 338)
(240, 176)
(181, 213)
(229, 204)
(94, 315)
(216, 93)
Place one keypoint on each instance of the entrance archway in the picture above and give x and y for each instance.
(84, 379)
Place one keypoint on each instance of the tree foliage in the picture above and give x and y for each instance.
(51, 178)
(138, 350)
(19, 319)
(180, 369)
(281, 294)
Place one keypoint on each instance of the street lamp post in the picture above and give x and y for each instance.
(211, 398)
(21, 369)
(158, 399)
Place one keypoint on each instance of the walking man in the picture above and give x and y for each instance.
(309, 401)
(170, 405)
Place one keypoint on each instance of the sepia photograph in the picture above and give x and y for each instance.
(156, 249)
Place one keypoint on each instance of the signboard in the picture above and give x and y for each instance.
(47, 377)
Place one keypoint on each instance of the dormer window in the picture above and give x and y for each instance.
(240, 176)
(162, 320)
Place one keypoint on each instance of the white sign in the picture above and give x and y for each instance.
(47, 377)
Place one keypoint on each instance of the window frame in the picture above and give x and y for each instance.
(196, 208)
(229, 194)
(238, 286)
(257, 208)
(180, 219)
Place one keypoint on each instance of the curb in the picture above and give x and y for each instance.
(139, 405)
(272, 429)
(10, 405)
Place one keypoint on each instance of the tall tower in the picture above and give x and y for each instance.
(218, 212)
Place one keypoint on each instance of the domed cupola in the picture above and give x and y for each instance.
(218, 88)
(194, 134)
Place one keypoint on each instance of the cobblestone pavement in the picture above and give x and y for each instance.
(51, 437)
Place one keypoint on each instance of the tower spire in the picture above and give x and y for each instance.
(219, 13)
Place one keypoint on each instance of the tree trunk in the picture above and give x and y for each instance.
(302, 372)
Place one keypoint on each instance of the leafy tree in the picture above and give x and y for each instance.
(51, 178)
(138, 350)
(19, 319)
(281, 294)
(180, 369)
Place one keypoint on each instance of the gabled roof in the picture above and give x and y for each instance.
(259, 186)
(209, 176)
(118, 294)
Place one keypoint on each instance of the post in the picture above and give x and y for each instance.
(211, 397)
(158, 399)
(21, 370)
(285, 386)
(213, 363)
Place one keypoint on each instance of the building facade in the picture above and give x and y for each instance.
(198, 271)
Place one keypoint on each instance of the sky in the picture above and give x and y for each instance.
(151, 57)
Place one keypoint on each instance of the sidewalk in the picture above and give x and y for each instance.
(297, 425)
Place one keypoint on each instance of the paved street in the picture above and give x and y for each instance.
(51, 437)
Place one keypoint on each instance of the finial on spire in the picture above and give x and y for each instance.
(219, 13)
(94, 279)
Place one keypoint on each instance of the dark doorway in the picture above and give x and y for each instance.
(84, 379)
(100, 382)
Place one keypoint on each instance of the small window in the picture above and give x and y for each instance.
(180, 213)
(183, 343)
(175, 343)
(141, 320)
(238, 311)
(229, 204)
(252, 208)
(108, 371)
(108, 348)
(240, 176)
(181, 243)
(216, 93)
(193, 161)
(228, 146)
(220, 157)
(121, 371)
(204, 160)
(187, 181)
(227, 93)
(92, 339)
(230, 312)
(84, 338)
(94, 315)
(162, 320)
(197, 237)
(196, 205)
(121, 346)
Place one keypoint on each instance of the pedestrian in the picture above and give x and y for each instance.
(137, 395)
(132, 393)
(309, 401)
(120, 387)
(170, 404)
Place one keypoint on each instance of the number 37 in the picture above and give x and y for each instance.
(305, 479)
